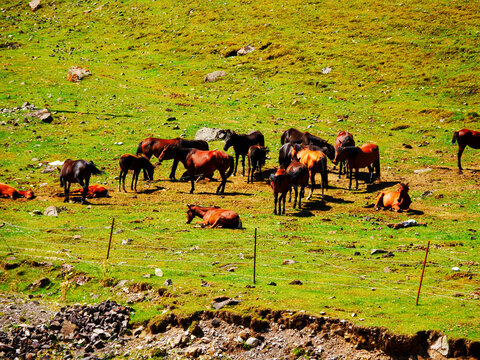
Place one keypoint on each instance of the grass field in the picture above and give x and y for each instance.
(391, 73)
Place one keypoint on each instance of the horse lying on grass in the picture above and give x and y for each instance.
(8, 192)
(94, 191)
(214, 217)
(394, 200)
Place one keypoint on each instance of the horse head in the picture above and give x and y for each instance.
(167, 153)
(403, 187)
(190, 213)
(228, 140)
(340, 155)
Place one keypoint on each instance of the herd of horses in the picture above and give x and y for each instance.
(301, 156)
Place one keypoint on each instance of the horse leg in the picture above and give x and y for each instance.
(193, 184)
(295, 187)
(135, 178)
(174, 168)
(356, 178)
(350, 184)
(275, 199)
(66, 188)
(312, 185)
(120, 180)
(302, 194)
(236, 163)
(370, 173)
(221, 187)
(459, 157)
(379, 201)
(340, 169)
(84, 186)
(123, 179)
(284, 198)
(249, 169)
(243, 166)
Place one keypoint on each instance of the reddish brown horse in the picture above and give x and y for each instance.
(465, 138)
(359, 157)
(344, 138)
(77, 171)
(154, 147)
(200, 162)
(394, 200)
(295, 136)
(281, 183)
(316, 162)
(214, 217)
(8, 192)
(299, 174)
(256, 159)
(137, 164)
(94, 191)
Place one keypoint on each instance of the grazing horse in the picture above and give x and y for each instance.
(94, 191)
(359, 157)
(135, 163)
(394, 200)
(465, 138)
(299, 174)
(6, 191)
(241, 143)
(293, 136)
(214, 217)
(316, 162)
(256, 159)
(344, 138)
(154, 147)
(77, 171)
(200, 162)
(281, 183)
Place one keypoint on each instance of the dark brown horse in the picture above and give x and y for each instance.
(394, 200)
(77, 171)
(154, 147)
(281, 183)
(344, 138)
(359, 157)
(299, 174)
(214, 217)
(200, 162)
(137, 164)
(241, 143)
(295, 136)
(316, 162)
(256, 159)
(285, 152)
(465, 138)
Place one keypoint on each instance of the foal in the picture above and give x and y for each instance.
(299, 174)
(256, 159)
(281, 183)
(135, 163)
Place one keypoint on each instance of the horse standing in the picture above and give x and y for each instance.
(7, 191)
(214, 217)
(295, 136)
(281, 183)
(394, 200)
(256, 159)
(285, 152)
(344, 138)
(135, 163)
(154, 147)
(77, 171)
(316, 162)
(200, 162)
(359, 157)
(299, 174)
(465, 138)
(241, 143)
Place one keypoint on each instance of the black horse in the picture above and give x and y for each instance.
(77, 171)
(241, 143)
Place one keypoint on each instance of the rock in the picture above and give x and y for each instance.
(126, 241)
(244, 334)
(213, 76)
(378, 251)
(48, 170)
(34, 5)
(197, 331)
(193, 351)
(427, 193)
(252, 342)
(38, 284)
(36, 212)
(295, 282)
(455, 268)
(421, 171)
(168, 282)
(99, 344)
(245, 50)
(216, 322)
(52, 211)
(218, 304)
(56, 163)
(77, 73)
(138, 331)
(441, 346)
(272, 283)
(158, 272)
(180, 341)
(288, 262)
(326, 70)
(68, 330)
(43, 115)
(210, 134)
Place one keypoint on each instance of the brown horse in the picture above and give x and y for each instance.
(295, 136)
(281, 183)
(394, 200)
(465, 138)
(6, 191)
(241, 143)
(214, 217)
(77, 171)
(154, 147)
(299, 175)
(316, 162)
(359, 157)
(135, 163)
(344, 138)
(94, 191)
(200, 162)
(256, 159)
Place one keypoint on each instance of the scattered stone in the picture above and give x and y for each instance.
(245, 50)
(36, 212)
(158, 272)
(68, 330)
(52, 211)
(378, 251)
(77, 73)
(34, 5)
(405, 224)
(272, 283)
(222, 301)
(216, 322)
(296, 282)
(441, 346)
(288, 262)
(43, 115)
(211, 134)
(244, 334)
(252, 342)
(214, 76)
(39, 284)
(326, 70)
(421, 171)
(168, 282)
(126, 241)
(427, 193)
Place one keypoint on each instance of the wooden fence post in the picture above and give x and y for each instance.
(109, 244)
(255, 255)
(423, 270)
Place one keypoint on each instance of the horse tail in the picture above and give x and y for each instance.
(377, 167)
(282, 138)
(455, 137)
(93, 169)
(324, 173)
(231, 168)
(139, 148)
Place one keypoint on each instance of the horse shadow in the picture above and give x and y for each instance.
(151, 191)
(233, 193)
(331, 199)
(315, 205)
(375, 187)
(78, 200)
(303, 213)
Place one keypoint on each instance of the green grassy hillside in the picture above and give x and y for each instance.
(391, 73)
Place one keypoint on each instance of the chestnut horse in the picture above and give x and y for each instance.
(316, 162)
(295, 136)
(214, 217)
(281, 183)
(200, 162)
(256, 159)
(154, 147)
(77, 171)
(6, 191)
(359, 157)
(394, 200)
(299, 174)
(94, 191)
(344, 138)
(135, 163)
(241, 143)
(285, 152)
(465, 138)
